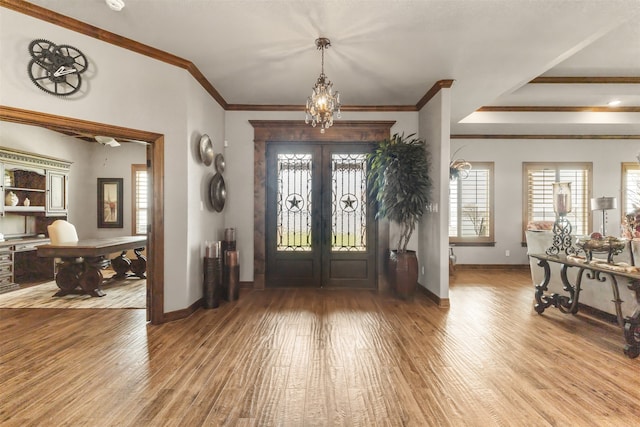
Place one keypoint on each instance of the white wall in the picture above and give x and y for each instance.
(126, 89)
(106, 162)
(204, 224)
(508, 155)
(433, 229)
(240, 157)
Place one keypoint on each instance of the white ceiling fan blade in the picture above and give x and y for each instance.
(107, 140)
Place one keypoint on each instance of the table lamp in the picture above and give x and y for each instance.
(603, 204)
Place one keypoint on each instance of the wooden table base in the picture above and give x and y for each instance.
(122, 265)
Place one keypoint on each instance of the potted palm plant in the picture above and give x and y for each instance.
(399, 184)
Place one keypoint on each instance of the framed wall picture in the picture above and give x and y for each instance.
(110, 203)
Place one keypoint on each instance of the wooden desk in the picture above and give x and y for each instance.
(79, 271)
(569, 304)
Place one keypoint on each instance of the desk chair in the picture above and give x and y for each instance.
(69, 270)
(61, 231)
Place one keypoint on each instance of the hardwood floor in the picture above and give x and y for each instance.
(311, 357)
(124, 293)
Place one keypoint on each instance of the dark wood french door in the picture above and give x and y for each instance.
(320, 228)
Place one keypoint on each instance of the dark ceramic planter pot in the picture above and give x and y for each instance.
(403, 273)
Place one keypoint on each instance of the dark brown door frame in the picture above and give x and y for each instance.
(266, 131)
(155, 155)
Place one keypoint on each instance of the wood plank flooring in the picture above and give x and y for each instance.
(301, 357)
(124, 293)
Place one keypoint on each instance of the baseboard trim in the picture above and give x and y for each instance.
(186, 312)
(440, 302)
(597, 314)
(492, 266)
(183, 313)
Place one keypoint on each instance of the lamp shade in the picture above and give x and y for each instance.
(603, 203)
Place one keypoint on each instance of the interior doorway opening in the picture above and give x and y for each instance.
(155, 164)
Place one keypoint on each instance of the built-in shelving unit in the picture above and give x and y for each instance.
(33, 184)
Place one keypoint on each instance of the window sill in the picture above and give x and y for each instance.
(487, 244)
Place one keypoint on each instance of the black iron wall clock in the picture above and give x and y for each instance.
(56, 69)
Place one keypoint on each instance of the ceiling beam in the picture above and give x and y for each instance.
(586, 80)
(532, 136)
(557, 109)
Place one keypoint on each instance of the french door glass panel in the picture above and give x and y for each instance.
(293, 202)
(349, 202)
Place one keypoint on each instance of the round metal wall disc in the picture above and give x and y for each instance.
(217, 192)
(206, 150)
(220, 164)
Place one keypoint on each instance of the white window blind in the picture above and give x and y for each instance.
(539, 178)
(140, 199)
(471, 205)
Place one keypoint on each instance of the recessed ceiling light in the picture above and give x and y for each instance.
(614, 103)
(116, 5)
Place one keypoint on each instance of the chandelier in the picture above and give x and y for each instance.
(323, 102)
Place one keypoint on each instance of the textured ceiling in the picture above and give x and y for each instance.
(390, 52)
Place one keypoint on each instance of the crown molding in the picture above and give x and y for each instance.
(440, 84)
(359, 108)
(342, 124)
(586, 80)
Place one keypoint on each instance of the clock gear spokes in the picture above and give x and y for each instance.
(73, 57)
(41, 50)
(56, 69)
(45, 78)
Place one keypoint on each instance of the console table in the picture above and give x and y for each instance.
(601, 273)
(79, 271)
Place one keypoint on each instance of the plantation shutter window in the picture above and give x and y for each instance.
(538, 180)
(630, 187)
(140, 199)
(471, 217)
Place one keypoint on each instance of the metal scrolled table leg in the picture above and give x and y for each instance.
(632, 325)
